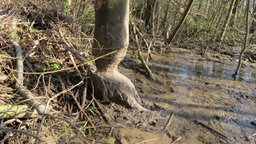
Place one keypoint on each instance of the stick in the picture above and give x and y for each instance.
(140, 54)
(71, 49)
(73, 126)
(211, 129)
(82, 110)
(25, 93)
(22, 132)
(145, 141)
(178, 139)
(169, 121)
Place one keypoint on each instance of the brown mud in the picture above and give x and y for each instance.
(207, 105)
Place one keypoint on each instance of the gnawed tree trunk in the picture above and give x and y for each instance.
(112, 34)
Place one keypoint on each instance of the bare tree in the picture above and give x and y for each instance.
(253, 25)
(234, 13)
(224, 28)
(245, 41)
(172, 35)
(151, 14)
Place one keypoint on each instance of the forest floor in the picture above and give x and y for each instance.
(193, 100)
(205, 104)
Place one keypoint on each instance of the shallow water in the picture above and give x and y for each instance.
(196, 88)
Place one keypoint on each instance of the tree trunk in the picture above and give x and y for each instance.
(253, 25)
(234, 13)
(155, 18)
(169, 39)
(149, 15)
(224, 28)
(246, 39)
(112, 34)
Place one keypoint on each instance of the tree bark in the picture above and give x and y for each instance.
(112, 34)
(169, 39)
(148, 16)
(224, 28)
(234, 13)
(245, 42)
(253, 25)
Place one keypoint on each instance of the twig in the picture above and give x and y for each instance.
(69, 48)
(102, 111)
(178, 139)
(169, 121)
(211, 129)
(22, 132)
(145, 141)
(39, 128)
(73, 126)
(84, 93)
(81, 109)
(62, 92)
(73, 61)
(105, 126)
(87, 63)
(252, 136)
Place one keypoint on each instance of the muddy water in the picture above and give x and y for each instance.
(197, 89)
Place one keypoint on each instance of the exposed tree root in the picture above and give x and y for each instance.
(114, 86)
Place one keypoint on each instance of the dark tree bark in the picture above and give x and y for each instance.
(151, 15)
(112, 34)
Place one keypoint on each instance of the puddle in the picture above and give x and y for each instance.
(204, 91)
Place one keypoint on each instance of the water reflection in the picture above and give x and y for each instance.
(198, 68)
(204, 90)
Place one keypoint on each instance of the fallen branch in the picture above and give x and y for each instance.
(74, 127)
(212, 130)
(82, 110)
(151, 76)
(21, 131)
(21, 111)
(169, 121)
(178, 139)
(71, 49)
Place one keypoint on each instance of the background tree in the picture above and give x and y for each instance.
(246, 39)
(234, 13)
(224, 28)
(253, 25)
(172, 35)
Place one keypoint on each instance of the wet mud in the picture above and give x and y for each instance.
(208, 106)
